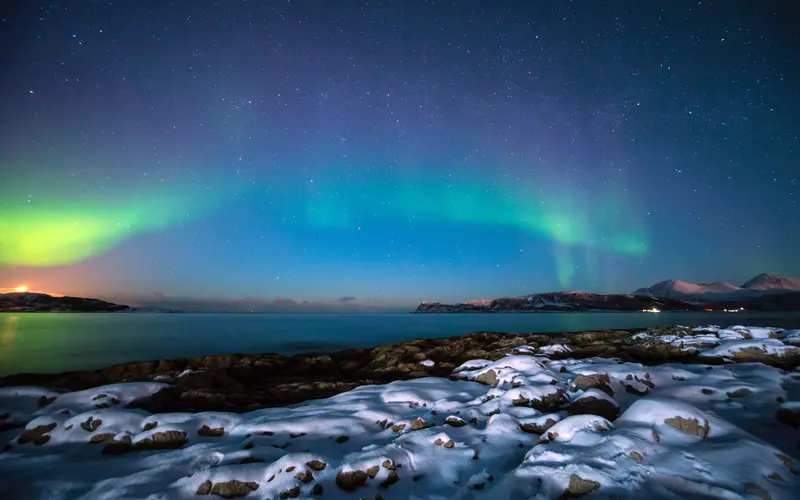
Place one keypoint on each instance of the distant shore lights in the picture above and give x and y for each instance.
(652, 310)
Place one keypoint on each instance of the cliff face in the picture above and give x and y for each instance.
(40, 302)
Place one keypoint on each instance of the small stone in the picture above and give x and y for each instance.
(204, 488)
(391, 478)
(388, 464)
(373, 471)
(150, 426)
(99, 438)
(317, 489)
(450, 444)
(248, 445)
(419, 424)
(296, 435)
(45, 401)
(775, 476)
(305, 477)
(291, 493)
(316, 465)
(91, 425)
(790, 417)
(290, 469)
(234, 488)
(398, 427)
(438, 442)
(636, 456)
(707, 391)
(740, 393)
(487, 378)
(688, 426)
(454, 421)
(579, 486)
(351, 480)
(344, 439)
(754, 489)
(252, 460)
(37, 433)
(207, 431)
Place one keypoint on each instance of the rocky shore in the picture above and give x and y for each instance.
(663, 413)
(246, 382)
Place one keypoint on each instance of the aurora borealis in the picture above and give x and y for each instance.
(394, 152)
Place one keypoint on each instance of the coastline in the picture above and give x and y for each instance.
(246, 382)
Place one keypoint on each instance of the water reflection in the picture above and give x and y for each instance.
(7, 339)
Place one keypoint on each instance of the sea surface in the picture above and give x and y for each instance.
(51, 342)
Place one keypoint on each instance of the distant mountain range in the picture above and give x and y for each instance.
(41, 302)
(719, 290)
(765, 292)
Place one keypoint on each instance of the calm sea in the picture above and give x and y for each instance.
(62, 342)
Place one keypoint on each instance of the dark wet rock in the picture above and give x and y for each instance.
(317, 489)
(252, 460)
(343, 439)
(150, 426)
(373, 471)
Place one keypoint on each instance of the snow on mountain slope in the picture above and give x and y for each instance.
(678, 288)
(767, 281)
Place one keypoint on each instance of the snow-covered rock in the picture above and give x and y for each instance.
(510, 428)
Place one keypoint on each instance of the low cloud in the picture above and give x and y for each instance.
(346, 299)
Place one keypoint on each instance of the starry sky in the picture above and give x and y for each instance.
(388, 152)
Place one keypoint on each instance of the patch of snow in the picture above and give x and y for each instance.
(427, 362)
(701, 430)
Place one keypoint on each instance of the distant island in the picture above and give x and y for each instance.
(765, 292)
(41, 302)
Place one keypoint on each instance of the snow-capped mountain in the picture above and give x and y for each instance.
(678, 289)
(767, 281)
(761, 284)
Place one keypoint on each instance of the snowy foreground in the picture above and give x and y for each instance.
(521, 427)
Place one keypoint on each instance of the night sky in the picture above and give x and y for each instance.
(386, 153)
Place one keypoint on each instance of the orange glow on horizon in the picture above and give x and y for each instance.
(21, 289)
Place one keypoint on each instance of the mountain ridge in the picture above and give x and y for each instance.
(767, 292)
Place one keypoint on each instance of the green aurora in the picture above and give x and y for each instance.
(65, 231)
